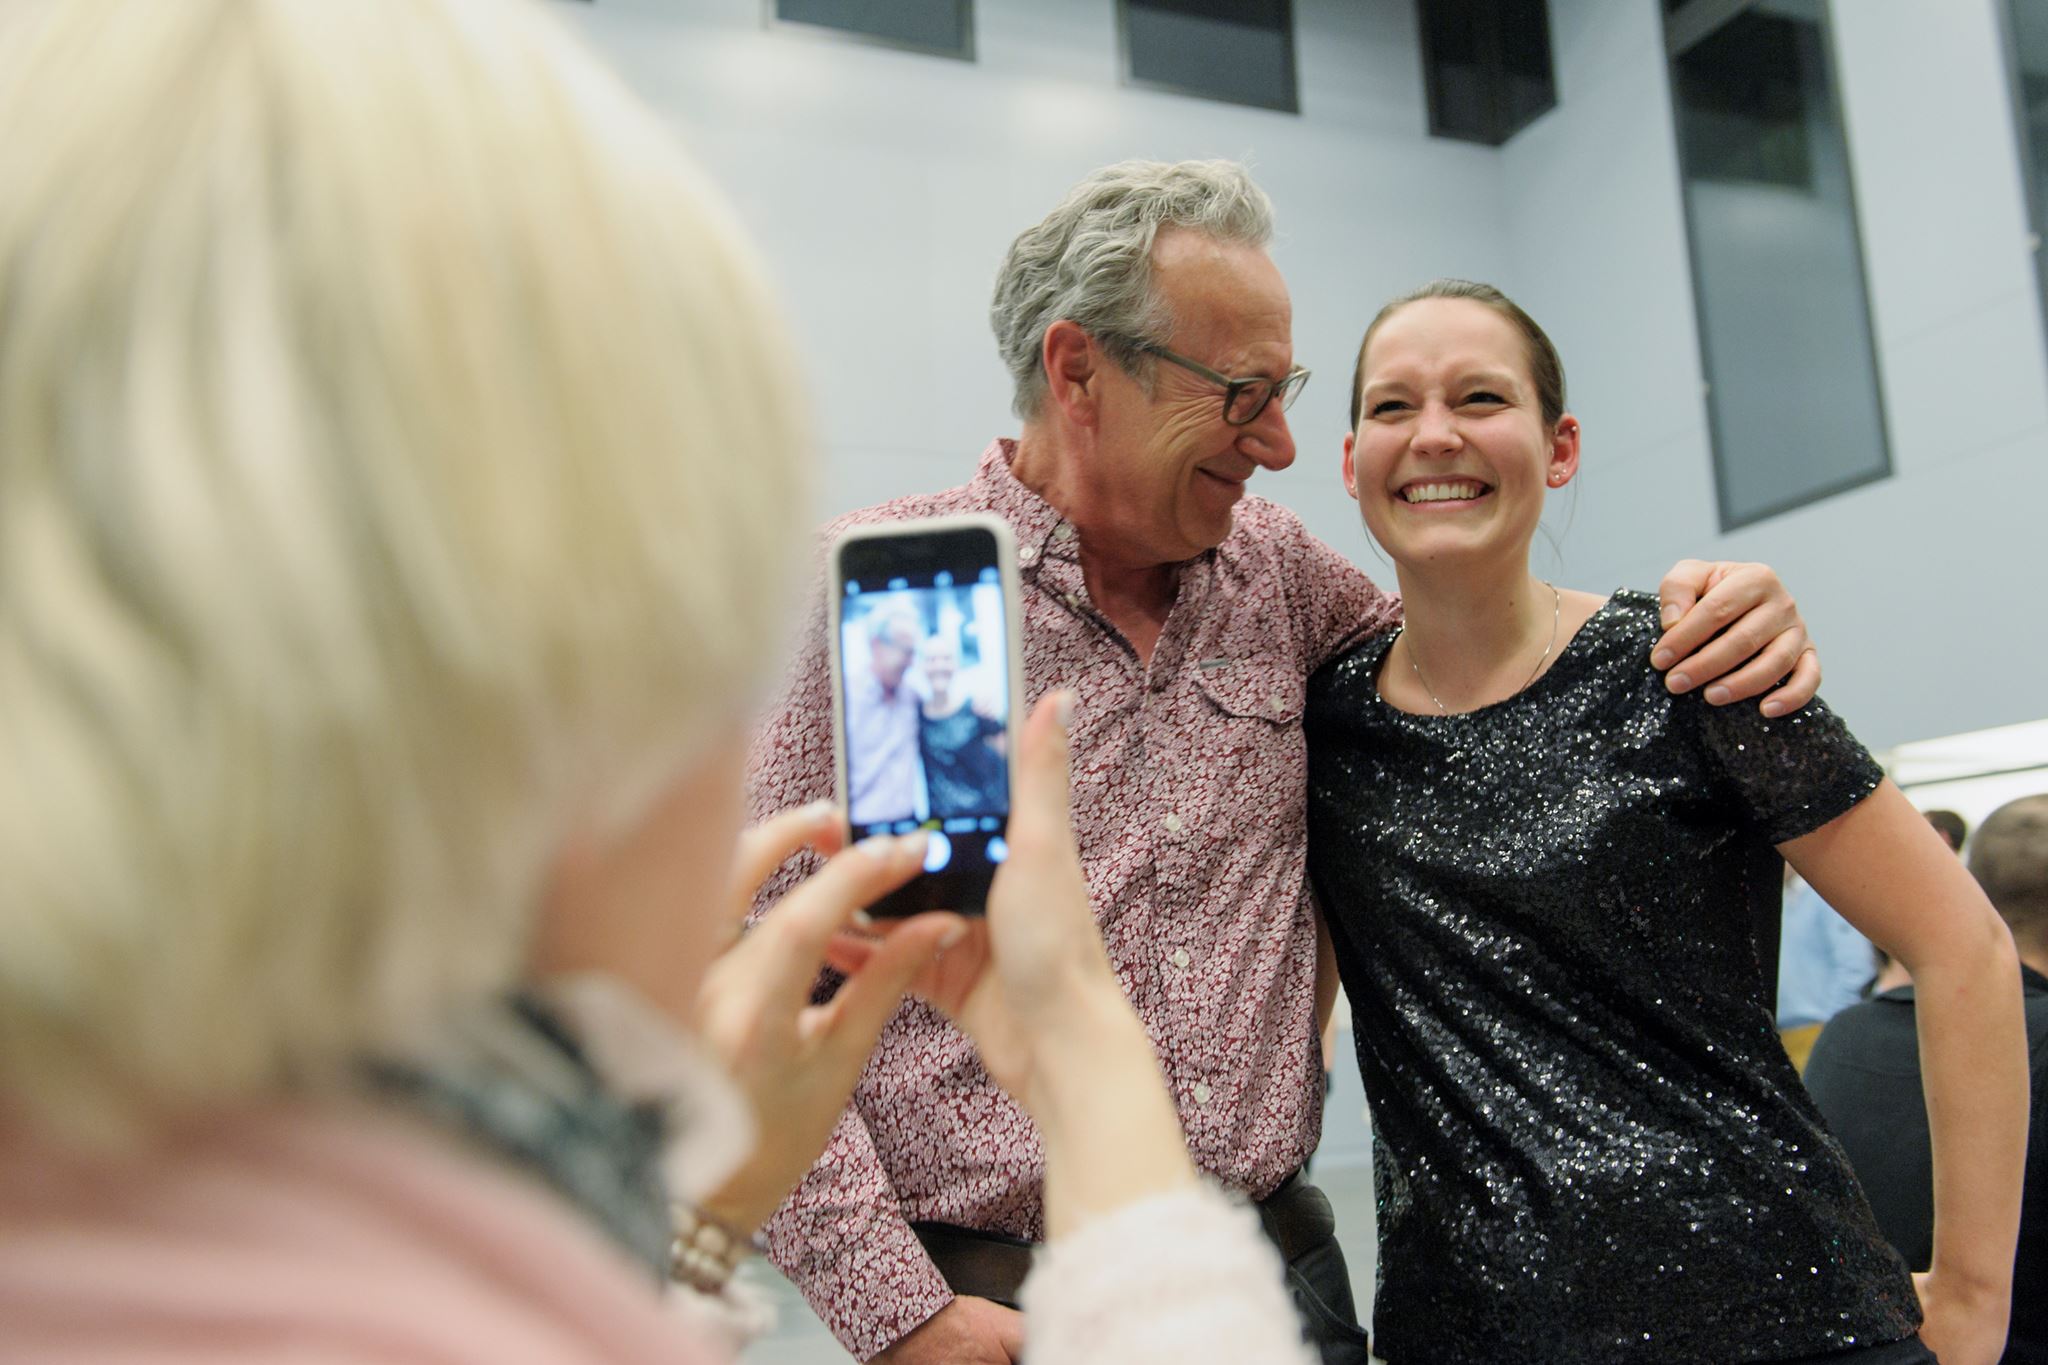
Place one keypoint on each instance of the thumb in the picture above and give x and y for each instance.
(1010, 1331)
(1041, 810)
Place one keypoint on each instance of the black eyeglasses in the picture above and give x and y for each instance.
(1243, 399)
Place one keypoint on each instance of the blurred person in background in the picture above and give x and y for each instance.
(398, 492)
(1824, 964)
(1953, 829)
(1865, 1072)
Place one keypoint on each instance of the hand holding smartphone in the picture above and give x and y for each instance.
(926, 684)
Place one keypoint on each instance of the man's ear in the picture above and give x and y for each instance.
(1073, 370)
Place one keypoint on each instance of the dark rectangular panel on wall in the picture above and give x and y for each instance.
(944, 27)
(1794, 404)
(1486, 65)
(2027, 28)
(1239, 51)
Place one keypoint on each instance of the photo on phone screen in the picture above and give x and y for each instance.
(925, 708)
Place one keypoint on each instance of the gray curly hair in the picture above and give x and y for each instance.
(1090, 260)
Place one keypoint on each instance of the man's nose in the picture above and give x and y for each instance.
(1268, 440)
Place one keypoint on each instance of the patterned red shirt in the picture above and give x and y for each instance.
(1188, 786)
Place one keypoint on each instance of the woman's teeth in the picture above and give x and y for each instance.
(1442, 492)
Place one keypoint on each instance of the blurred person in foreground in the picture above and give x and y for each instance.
(398, 492)
(1865, 1074)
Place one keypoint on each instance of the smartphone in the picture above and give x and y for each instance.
(927, 679)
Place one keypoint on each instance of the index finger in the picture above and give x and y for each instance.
(766, 846)
(1724, 603)
(795, 935)
(1683, 586)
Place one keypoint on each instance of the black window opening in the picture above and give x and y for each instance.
(943, 28)
(1794, 405)
(1486, 65)
(1237, 51)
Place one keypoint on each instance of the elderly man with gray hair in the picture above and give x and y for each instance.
(881, 722)
(1149, 337)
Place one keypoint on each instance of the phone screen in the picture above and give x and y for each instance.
(925, 704)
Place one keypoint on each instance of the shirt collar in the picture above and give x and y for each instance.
(1042, 533)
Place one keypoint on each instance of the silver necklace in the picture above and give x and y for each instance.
(1556, 612)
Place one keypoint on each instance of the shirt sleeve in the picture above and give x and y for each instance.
(790, 761)
(1790, 774)
(841, 1238)
(843, 1241)
(1185, 1277)
(1334, 604)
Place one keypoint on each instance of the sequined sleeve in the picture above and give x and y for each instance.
(1792, 774)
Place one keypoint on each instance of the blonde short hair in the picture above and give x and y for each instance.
(399, 465)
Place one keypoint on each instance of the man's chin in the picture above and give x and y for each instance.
(1211, 529)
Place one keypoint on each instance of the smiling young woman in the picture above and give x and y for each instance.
(1540, 870)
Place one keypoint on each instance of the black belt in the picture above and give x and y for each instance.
(991, 1265)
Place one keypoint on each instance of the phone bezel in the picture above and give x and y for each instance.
(930, 891)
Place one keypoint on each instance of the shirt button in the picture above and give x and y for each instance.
(1201, 1092)
(1172, 823)
(1063, 533)
(1074, 601)
(1026, 554)
(1277, 702)
(1180, 957)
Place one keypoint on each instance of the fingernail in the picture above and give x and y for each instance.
(818, 810)
(877, 845)
(1662, 659)
(1774, 708)
(862, 919)
(952, 936)
(1679, 682)
(1671, 612)
(917, 841)
(1065, 710)
(1716, 695)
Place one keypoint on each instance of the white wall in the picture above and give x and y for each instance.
(883, 187)
(1920, 587)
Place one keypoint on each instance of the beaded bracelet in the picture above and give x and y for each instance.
(705, 1252)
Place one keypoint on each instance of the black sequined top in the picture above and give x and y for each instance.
(1589, 1144)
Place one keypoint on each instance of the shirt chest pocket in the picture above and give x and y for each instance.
(1249, 689)
(1245, 757)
